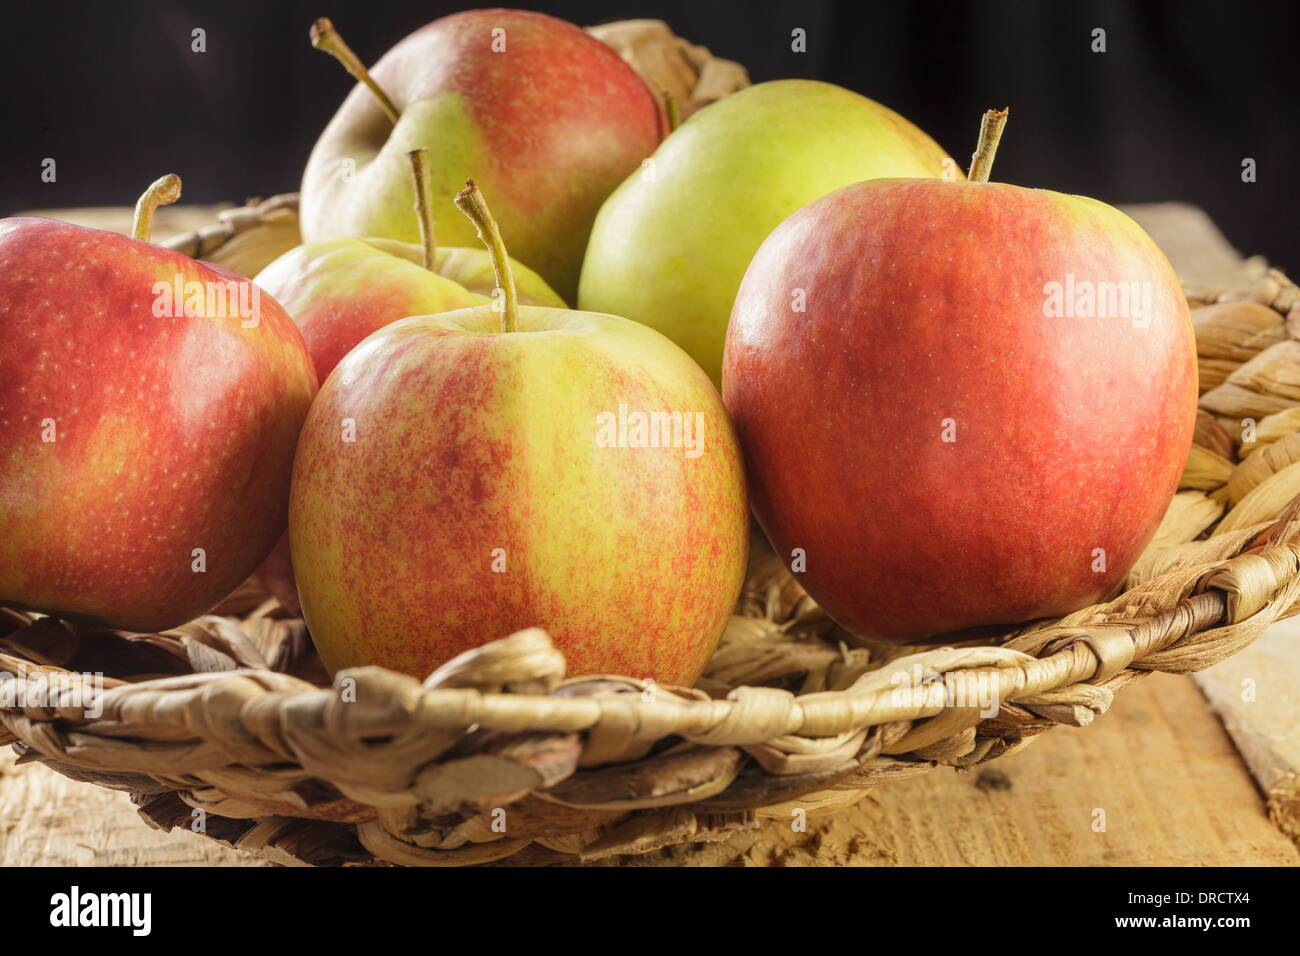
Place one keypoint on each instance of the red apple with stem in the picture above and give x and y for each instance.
(961, 404)
(548, 118)
(465, 475)
(150, 407)
(338, 291)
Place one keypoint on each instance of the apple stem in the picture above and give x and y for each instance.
(325, 37)
(423, 206)
(163, 192)
(470, 201)
(674, 112)
(981, 162)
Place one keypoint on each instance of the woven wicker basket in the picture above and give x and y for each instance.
(497, 753)
(230, 726)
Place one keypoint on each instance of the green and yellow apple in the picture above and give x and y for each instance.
(980, 410)
(150, 407)
(670, 246)
(465, 475)
(338, 291)
(548, 118)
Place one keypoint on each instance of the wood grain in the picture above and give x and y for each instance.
(48, 820)
(1256, 693)
(1174, 792)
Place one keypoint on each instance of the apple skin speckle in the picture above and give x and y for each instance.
(339, 291)
(1071, 432)
(469, 440)
(93, 525)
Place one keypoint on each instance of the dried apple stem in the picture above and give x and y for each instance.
(325, 37)
(674, 112)
(470, 201)
(981, 163)
(163, 192)
(423, 206)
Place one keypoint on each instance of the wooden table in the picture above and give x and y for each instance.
(1160, 765)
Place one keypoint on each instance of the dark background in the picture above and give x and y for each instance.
(1185, 91)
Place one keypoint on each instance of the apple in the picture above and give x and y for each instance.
(974, 411)
(465, 475)
(338, 291)
(670, 246)
(150, 406)
(548, 118)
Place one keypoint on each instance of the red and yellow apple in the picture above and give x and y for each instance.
(546, 117)
(960, 403)
(338, 291)
(465, 475)
(150, 407)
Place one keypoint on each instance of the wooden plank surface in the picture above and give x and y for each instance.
(1160, 767)
(48, 820)
(1173, 790)
(168, 220)
(1257, 695)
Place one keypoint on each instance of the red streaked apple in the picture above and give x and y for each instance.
(465, 475)
(960, 403)
(549, 119)
(150, 407)
(338, 291)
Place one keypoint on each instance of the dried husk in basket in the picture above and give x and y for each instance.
(671, 66)
(248, 238)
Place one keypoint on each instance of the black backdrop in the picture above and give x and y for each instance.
(1184, 92)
